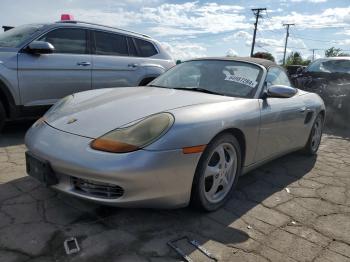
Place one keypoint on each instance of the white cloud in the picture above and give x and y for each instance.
(202, 18)
(231, 52)
(184, 51)
(311, 1)
(330, 17)
(342, 42)
(275, 46)
(238, 36)
(119, 17)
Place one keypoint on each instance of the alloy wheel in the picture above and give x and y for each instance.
(316, 134)
(220, 172)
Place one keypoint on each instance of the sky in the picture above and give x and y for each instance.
(190, 29)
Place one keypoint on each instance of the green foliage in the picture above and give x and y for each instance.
(331, 52)
(295, 58)
(264, 55)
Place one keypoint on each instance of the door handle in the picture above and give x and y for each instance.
(83, 63)
(132, 65)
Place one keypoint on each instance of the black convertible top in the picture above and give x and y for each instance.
(263, 62)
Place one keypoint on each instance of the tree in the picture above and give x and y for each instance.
(264, 55)
(295, 58)
(331, 52)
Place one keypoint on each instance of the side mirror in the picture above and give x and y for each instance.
(40, 47)
(280, 91)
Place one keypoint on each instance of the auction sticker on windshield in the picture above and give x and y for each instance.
(239, 79)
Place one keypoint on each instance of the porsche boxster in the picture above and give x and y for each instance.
(184, 138)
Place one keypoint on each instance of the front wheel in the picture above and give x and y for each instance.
(314, 140)
(217, 173)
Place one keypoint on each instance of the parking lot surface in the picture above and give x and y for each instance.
(297, 208)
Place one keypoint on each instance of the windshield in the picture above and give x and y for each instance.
(15, 36)
(330, 66)
(229, 78)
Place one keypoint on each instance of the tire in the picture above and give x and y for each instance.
(315, 136)
(216, 176)
(2, 116)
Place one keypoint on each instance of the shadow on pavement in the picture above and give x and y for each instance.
(13, 133)
(45, 218)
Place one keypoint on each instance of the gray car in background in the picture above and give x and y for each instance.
(41, 63)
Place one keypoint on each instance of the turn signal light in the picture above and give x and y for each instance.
(193, 149)
(112, 146)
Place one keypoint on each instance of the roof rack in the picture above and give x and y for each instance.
(88, 23)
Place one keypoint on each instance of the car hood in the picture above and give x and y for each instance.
(94, 113)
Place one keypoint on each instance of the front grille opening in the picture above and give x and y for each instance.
(96, 189)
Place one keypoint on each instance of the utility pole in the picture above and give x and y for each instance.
(313, 53)
(256, 12)
(285, 44)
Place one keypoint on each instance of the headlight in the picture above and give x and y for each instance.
(135, 136)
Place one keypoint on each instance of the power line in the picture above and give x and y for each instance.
(256, 12)
(263, 48)
(311, 39)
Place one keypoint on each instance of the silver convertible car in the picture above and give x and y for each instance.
(184, 138)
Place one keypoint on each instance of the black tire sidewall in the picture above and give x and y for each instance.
(308, 149)
(197, 197)
(2, 116)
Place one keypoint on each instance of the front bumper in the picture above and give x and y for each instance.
(157, 179)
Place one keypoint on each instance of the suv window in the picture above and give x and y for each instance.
(330, 66)
(110, 44)
(276, 76)
(67, 40)
(132, 47)
(145, 48)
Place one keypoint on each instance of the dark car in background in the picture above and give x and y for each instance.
(330, 78)
(294, 69)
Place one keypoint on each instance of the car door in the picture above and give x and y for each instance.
(281, 121)
(112, 65)
(45, 78)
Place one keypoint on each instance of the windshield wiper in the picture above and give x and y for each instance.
(198, 89)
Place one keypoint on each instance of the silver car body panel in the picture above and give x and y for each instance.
(46, 78)
(100, 111)
(8, 71)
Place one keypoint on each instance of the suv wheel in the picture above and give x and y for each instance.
(2, 116)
